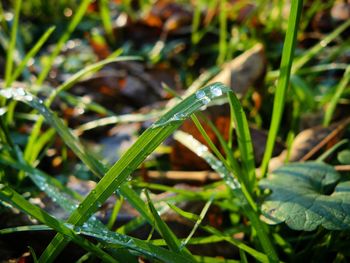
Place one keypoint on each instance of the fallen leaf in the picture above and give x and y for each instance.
(244, 71)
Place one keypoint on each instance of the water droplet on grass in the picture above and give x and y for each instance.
(205, 100)
(215, 91)
(6, 93)
(200, 94)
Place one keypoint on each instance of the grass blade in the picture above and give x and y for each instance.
(63, 39)
(283, 82)
(15, 199)
(12, 45)
(338, 92)
(31, 54)
(171, 240)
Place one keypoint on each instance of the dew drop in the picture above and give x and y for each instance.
(215, 91)
(179, 116)
(6, 93)
(20, 92)
(28, 97)
(200, 94)
(205, 100)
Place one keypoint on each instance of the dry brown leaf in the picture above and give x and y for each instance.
(244, 71)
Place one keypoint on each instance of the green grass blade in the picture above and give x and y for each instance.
(89, 69)
(334, 101)
(245, 144)
(301, 61)
(63, 39)
(283, 82)
(193, 217)
(171, 240)
(31, 54)
(223, 32)
(11, 230)
(106, 19)
(12, 45)
(198, 222)
(9, 195)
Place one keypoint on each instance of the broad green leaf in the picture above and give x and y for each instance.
(307, 195)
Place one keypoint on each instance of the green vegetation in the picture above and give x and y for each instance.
(72, 83)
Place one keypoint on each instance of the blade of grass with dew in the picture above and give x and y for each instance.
(246, 200)
(147, 142)
(63, 39)
(225, 145)
(283, 81)
(334, 101)
(12, 197)
(12, 45)
(9, 195)
(145, 248)
(52, 188)
(171, 240)
(31, 54)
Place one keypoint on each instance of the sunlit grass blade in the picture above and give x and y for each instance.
(12, 45)
(283, 81)
(9, 195)
(334, 101)
(79, 13)
(11, 230)
(106, 18)
(31, 54)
